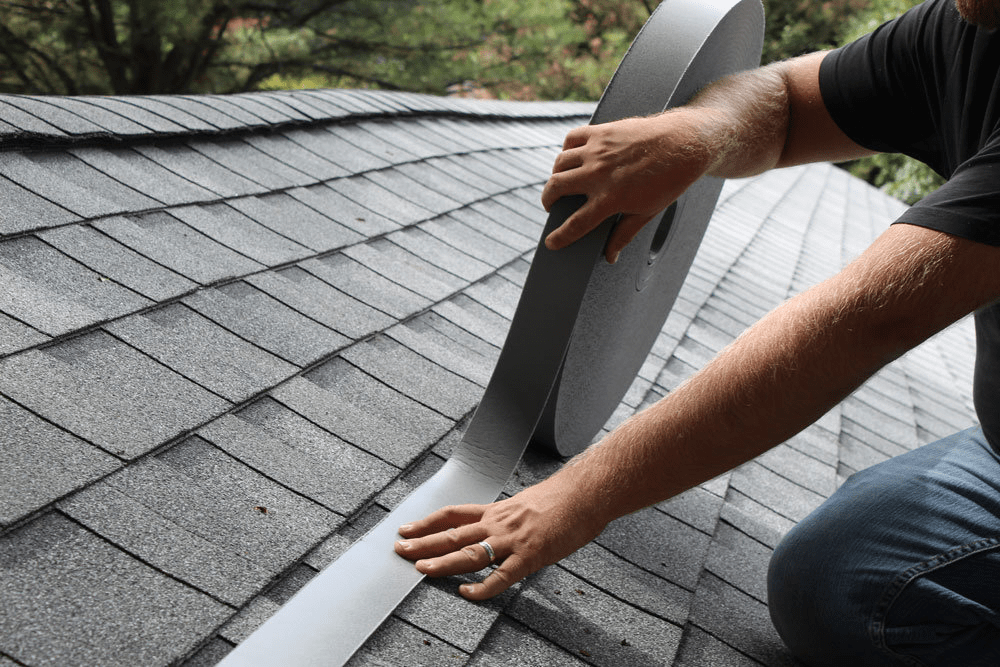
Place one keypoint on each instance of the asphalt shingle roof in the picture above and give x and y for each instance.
(236, 331)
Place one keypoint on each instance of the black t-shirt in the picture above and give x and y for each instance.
(928, 85)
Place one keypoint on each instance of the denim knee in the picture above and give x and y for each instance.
(901, 566)
(817, 595)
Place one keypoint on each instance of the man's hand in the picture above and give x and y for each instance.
(636, 167)
(535, 528)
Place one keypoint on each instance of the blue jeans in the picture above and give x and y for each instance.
(901, 566)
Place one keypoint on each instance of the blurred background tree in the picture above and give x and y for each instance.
(517, 49)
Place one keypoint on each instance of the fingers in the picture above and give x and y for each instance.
(577, 136)
(452, 516)
(575, 227)
(441, 543)
(469, 558)
(512, 571)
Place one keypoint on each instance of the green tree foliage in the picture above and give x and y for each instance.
(511, 48)
(795, 27)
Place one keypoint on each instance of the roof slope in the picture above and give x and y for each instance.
(235, 331)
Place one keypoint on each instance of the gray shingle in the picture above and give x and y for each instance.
(658, 543)
(437, 609)
(290, 217)
(279, 107)
(758, 521)
(398, 643)
(160, 106)
(337, 150)
(619, 578)
(22, 210)
(54, 114)
(420, 336)
(167, 241)
(262, 108)
(700, 649)
(101, 115)
(371, 195)
(26, 122)
(288, 449)
(405, 268)
(496, 293)
(264, 321)
(252, 164)
(440, 254)
(146, 531)
(316, 299)
(151, 122)
(510, 644)
(189, 163)
(413, 190)
(243, 116)
(143, 175)
(696, 507)
(364, 412)
(589, 623)
(210, 654)
(283, 149)
(498, 232)
(469, 239)
(337, 207)
(422, 380)
(770, 489)
(465, 169)
(718, 604)
(365, 285)
(407, 135)
(196, 106)
(54, 293)
(202, 351)
(241, 510)
(740, 561)
(366, 137)
(232, 229)
(134, 614)
(109, 258)
(28, 448)
(34, 176)
(474, 318)
(107, 392)
(16, 335)
(440, 180)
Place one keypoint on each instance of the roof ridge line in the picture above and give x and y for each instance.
(79, 120)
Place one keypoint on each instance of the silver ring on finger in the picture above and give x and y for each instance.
(489, 551)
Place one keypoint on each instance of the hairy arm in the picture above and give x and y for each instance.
(739, 126)
(778, 377)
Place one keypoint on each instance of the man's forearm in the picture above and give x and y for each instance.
(745, 120)
(778, 377)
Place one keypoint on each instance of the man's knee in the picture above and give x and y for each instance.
(819, 595)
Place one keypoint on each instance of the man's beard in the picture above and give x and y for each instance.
(982, 13)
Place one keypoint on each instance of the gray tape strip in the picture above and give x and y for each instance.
(560, 336)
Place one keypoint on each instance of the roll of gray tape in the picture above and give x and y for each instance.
(578, 318)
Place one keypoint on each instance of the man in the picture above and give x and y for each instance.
(902, 564)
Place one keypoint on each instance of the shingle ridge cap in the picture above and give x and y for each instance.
(44, 121)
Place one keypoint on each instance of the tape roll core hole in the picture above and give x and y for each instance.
(662, 233)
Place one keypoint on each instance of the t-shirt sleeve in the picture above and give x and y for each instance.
(968, 205)
(879, 89)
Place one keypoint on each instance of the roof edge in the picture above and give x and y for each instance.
(31, 120)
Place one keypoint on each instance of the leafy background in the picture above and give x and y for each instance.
(511, 49)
